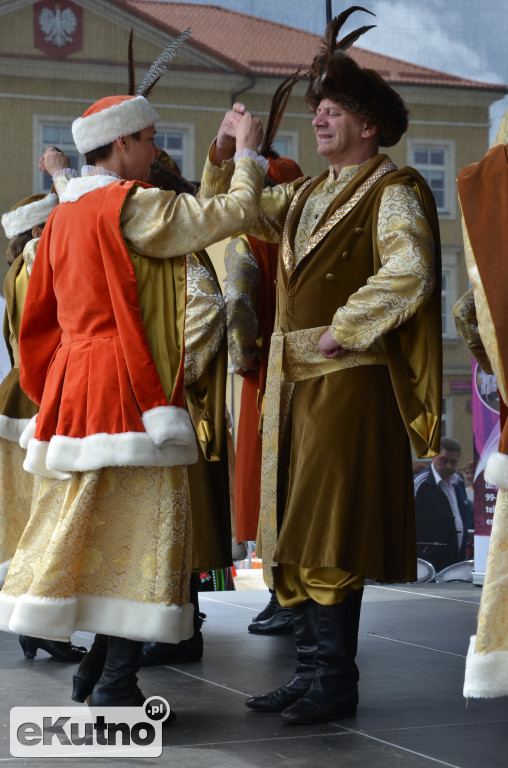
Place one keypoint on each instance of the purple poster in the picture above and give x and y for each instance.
(486, 433)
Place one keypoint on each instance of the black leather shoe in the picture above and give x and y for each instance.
(173, 653)
(281, 623)
(61, 651)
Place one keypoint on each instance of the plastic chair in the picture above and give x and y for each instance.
(462, 571)
(425, 571)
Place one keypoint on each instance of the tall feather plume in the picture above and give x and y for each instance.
(277, 109)
(160, 65)
(130, 65)
(332, 31)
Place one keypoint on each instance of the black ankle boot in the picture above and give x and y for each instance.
(117, 685)
(90, 669)
(60, 650)
(305, 623)
(334, 691)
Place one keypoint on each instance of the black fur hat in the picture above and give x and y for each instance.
(335, 75)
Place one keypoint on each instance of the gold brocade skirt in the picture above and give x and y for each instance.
(16, 488)
(106, 551)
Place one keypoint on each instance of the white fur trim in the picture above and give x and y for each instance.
(27, 216)
(127, 449)
(496, 470)
(28, 433)
(167, 424)
(59, 618)
(80, 186)
(12, 429)
(124, 119)
(486, 674)
(35, 461)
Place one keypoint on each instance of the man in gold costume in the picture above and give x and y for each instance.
(108, 546)
(355, 368)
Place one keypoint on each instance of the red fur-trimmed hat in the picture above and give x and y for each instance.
(109, 119)
(335, 75)
(30, 212)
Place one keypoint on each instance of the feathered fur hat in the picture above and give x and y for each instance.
(30, 212)
(335, 75)
(115, 116)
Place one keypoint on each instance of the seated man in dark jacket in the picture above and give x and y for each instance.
(443, 512)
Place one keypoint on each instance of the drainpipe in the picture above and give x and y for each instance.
(253, 81)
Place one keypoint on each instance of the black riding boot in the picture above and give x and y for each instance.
(117, 685)
(305, 623)
(60, 650)
(334, 690)
(186, 650)
(90, 669)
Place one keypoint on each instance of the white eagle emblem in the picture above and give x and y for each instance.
(57, 26)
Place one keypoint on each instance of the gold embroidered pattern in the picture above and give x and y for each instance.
(205, 320)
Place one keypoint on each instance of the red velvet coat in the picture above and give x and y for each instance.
(84, 355)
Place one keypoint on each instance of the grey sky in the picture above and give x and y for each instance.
(463, 37)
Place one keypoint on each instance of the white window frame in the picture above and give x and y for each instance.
(292, 143)
(188, 132)
(37, 147)
(449, 269)
(449, 210)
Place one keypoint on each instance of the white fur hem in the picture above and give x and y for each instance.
(486, 674)
(28, 432)
(12, 429)
(82, 185)
(128, 449)
(168, 425)
(496, 470)
(58, 619)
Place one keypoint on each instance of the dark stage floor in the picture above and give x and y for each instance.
(413, 641)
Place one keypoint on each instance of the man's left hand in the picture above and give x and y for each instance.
(328, 347)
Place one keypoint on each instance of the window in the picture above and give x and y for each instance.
(48, 131)
(178, 141)
(286, 144)
(435, 160)
(449, 292)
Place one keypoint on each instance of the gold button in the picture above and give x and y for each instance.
(346, 255)
(330, 190)
(330, 277)
(359, 230)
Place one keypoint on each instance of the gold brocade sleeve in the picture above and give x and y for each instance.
(483, 315)
(275, 201)
(205, 320)
(466, 321)
(162, 224)
(241, 284)
(405, 280)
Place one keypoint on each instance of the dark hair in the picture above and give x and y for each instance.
(16, 245)
(102, 153)
(449, 444)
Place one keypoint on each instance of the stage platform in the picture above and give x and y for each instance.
(413, 642)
